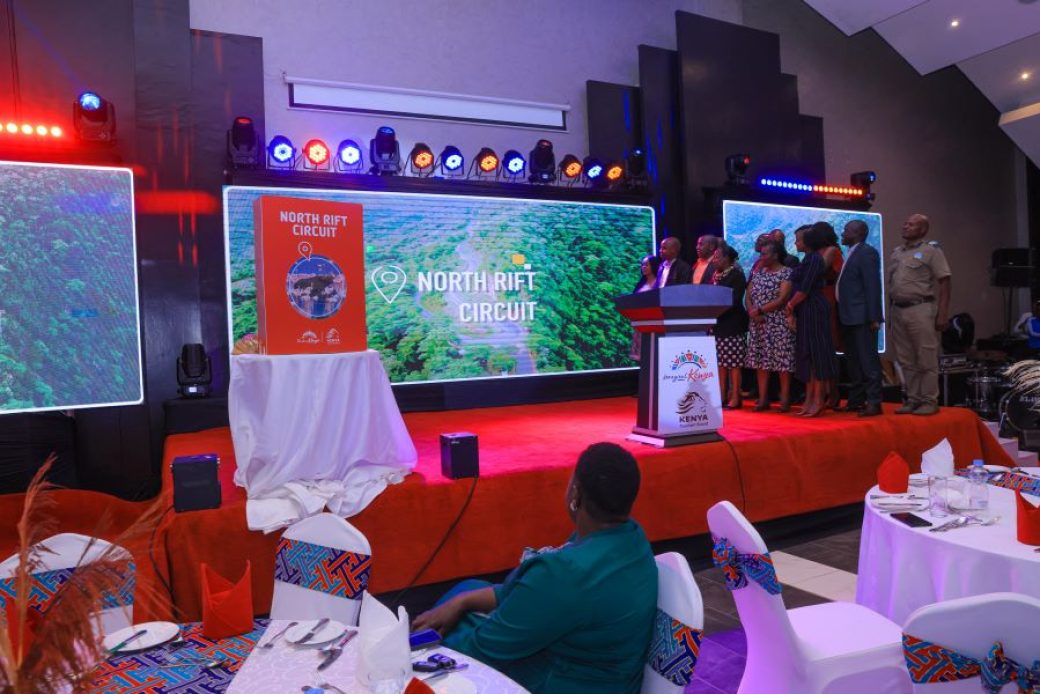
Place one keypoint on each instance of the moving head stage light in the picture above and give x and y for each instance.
(636, 177)
(542, 163)
(736, 168)
(94, 119)
(385, 152)
(243, 144)
(193, 372)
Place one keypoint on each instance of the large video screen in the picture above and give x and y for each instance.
(744, 221)
(462, 287)
(69, 328)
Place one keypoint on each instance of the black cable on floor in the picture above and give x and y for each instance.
(740, 475)
(444, 540)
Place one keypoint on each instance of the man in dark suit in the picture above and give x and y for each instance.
(859, 312)
(674, 270)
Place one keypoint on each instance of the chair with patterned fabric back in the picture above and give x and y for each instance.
(321, 569)
(836, 647)
(58, 557)
(984, 643)
(678, 626)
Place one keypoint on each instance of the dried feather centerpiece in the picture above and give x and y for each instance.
(1024, 376)
(53, 648)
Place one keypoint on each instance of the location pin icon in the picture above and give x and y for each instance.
(305, 249)
(388, 280)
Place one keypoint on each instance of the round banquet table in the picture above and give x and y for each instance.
(903, 568)
(286, 668)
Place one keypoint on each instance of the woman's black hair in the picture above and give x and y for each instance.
(729, 251)
(608, 477)
(778, 249)
(819, 236)
(654, 260)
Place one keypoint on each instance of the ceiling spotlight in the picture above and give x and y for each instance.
(384, 152)
(485, 164)
(243, 144)
(316, 153)
(94, 118)
(570, 169)
(452, 162)
(280, 152)
(513, 165)
(543, 163)
(736, 168)
(349, 158)
(954, 23)
(1025, 75)
(421, 159)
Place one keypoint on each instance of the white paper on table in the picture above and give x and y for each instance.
(385, 651)
(938, 460)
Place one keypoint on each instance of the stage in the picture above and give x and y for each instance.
(770, 465)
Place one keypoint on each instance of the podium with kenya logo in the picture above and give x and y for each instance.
(679, 399)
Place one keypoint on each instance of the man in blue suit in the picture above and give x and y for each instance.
(859, 312)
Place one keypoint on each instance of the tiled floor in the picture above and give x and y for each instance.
(812, 572)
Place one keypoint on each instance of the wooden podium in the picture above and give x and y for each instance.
(679, 399)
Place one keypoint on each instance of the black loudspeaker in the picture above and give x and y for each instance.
(459, 455)
(1013, 267)
(195, 482)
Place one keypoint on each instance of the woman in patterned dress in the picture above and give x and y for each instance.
(770, 341)
(731, 327)
(808, 313)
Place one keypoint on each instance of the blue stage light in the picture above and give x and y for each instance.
(281, 149)
(593, 168)
(89, 101)
(452, 159)
(514, 162)
(349, 152)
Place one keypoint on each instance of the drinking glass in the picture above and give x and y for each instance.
(938, 490)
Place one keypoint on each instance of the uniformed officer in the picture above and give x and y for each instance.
(919, 289)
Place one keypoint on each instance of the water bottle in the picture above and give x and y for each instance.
(978, 491)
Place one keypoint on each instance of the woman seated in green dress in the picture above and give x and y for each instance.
(574, 618)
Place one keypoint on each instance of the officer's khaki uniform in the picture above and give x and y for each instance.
(914, 272)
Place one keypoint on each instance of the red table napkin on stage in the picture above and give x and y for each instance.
(418, 687)
(1028, 521)
(227, 608)
(893, 475)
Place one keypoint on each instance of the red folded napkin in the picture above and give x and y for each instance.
(418, 687)
(893, 475)
(1028, 521)
(227, 608)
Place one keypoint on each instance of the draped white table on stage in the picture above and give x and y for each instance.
(903, 568)
(314, 430)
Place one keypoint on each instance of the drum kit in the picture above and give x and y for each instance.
(990, 395)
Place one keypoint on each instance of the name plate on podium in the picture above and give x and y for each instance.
(689, 400)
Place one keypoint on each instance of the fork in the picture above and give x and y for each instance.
(271, 641)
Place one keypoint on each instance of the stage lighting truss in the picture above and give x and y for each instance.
(384, 151)
(421, 160)
(803, 188)
(451, 162)
(94, 119)
(736, 168)
(243, 144)
(513, 166)
(570, 170)
(594, 173)
(485, 164)
(542, 163)
(348, 157)
(281, 154)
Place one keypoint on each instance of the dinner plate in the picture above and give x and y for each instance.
(997, 468)
(919, 479)
(156, 633)
(331, 630)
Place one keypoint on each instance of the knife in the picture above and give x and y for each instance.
(336, 652)
(133, 637)
(313, 632)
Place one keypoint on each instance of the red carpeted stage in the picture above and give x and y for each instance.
(771, 465)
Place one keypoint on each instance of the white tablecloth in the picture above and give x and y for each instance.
(286, 668)
(903, 568)
(314, 430)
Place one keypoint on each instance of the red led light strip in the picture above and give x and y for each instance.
(30, 130)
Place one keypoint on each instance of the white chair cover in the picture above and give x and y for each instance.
(321, 570)
(970, 627)
(834, 647)
(677, 631)
(58, 555)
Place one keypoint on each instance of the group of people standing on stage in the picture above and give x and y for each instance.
(790, 316)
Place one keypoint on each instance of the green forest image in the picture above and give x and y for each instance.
(68, 306)
(550, 271)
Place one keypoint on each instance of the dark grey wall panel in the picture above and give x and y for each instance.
(659, 105)
(615, 123)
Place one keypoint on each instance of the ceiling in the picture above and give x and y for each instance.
(996, 43)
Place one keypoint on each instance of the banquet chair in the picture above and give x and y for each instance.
(829, 648)
(677, 628)
(952, 639)
(321, 569)
(59, 555)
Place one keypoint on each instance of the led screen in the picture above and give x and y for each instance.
(69, 329)
(463, 287)
(744, 221)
